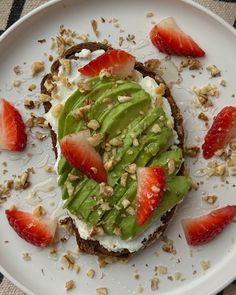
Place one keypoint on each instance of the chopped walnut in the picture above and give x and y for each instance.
(101, 291)
(80, 112)
(156, 128)
(177, 276)
(149, 14)
(90, 273)
(93, 124)
(210, 199)
(213, 70)
(124, 98)
(154, 284)
(116, 142)
(194, 64)
(29, 104)
(37, 67)
(68, 261)
(36, 122)
(168, 246)
(105, 190)
(192, 151)
(222, 82)
(94, 25)
(131, 168)
(49, 85)
(57, 110)
(39, 211)
(26, 256)
(40, 136)
(84, 86)
(203, 117)
(69, 285)
(32, 87)
(16, 83)
(66, 65)
(130, 210)
(21, 181)
(17, 70)
(96, 139)
(152, 64)
(215, 169)
(44, 97)
(108, 164)
(123, 179)
(161, 269)
(171, 166)
(232, 144)
(125, 203)
(205, 264)
(117, 231)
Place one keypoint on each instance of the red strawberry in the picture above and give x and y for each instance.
(151, 184)
(12, 128)
(221, 132)
(83, 156)
(205, 228)
(37, 231)
(170, 39)
(117, 62)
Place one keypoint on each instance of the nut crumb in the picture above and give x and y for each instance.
(37, 67)
(69, 285)
(39, 211)
(215, 72)
(139, 289)
(149, 14)
(90, 273)
(210, 199)
(177, 276)
(161, 269)
(32, 87)
(94, 25)
(17, 70)
(154, 284)
(26, 256)
(29, 104)
(101, 291)
(222, 82)
(203, 117)
(191, 151)
(205, 264)
(16, 83)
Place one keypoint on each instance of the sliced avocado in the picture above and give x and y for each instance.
(78, 188)
(177, 186)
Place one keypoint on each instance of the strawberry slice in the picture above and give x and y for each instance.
(151, 184)
(82, 155)
(221, 132)
(116, 62)
(37, 231)
(170, 39)
(12, 128)
(205, 228)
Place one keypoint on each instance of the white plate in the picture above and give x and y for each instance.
(44, 275)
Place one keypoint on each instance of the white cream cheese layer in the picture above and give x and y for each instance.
(61, 94)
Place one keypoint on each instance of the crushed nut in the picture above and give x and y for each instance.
(29, 104)
(39, 211)
(108, 164)
(90, 273)
(213, 70)
(101, 291)
(131, 168)
(17, 70)
(205, 264)
(94, 25)
(26, 256)
(161, 269)
(16, 83)
(124, 98)
(123, 179)
(96, 139)
(105, 190)
(222, 82)
(21, 181)
(32, 87)
(177, 276)
(168, 246)
(152, 64)
(149, 14)
(203, 117)
(171, 166)
(210, 199)
(116, 142)
(125, 203)
(93, 124)
(156, 128)
(80, 112)
(67, 260)
(130, 210)
(215, 169)
(40, 136)
(57, 110)
(160, 90)
(44, 97)
(69, 285)
(194, 64)
(192, 151)
(154, 284)
(117, 231)
(37, 67)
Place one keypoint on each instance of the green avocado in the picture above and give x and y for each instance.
(125, 113)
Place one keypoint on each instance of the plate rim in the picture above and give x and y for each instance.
(46, 5)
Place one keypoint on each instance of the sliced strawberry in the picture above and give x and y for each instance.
(151, 184)
(82, 155)
(117, 62)
(170, 39)
(37, 231)
(221, 132)
(12, 128)
(205, 228)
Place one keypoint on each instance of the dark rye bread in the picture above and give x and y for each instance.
(93, 246)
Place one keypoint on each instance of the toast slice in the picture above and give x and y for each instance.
(93, 246)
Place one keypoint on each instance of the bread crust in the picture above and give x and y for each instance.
(93, 246)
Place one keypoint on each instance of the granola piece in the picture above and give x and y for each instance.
(191, 151)
(69, 285)
(37, 67)
(214, 71)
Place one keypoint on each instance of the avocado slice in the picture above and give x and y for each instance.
(177, 187)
